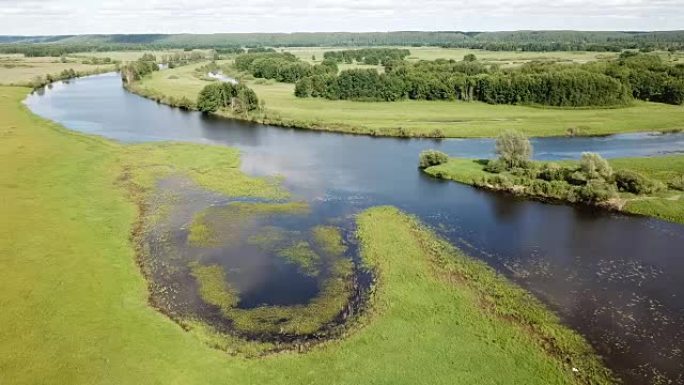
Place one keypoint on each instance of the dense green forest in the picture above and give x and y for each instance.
(608, 83)
(233, 42)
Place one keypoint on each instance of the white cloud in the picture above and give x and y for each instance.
(207, 16)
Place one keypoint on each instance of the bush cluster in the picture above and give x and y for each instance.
(591, 181)
(235, 97)
(178, 59)
(136, 70)
(431, 158)
(635, 183)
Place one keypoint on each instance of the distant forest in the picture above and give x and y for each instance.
(234, 42)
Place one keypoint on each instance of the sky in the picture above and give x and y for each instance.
(53, 17)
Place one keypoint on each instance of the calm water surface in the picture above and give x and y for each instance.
(617, 279)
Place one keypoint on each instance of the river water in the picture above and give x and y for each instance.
(617, 279)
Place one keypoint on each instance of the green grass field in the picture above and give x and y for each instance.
(668, 204)
(74, 302)
(425, 118)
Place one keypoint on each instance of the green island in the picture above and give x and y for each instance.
(75, 304)
(644, 186)
(410, 95)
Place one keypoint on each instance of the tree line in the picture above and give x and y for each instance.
(178, 59)
(517, 40)
(633, 76)
(283, 67)
(371, 56)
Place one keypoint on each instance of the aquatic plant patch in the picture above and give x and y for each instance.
(230, 266)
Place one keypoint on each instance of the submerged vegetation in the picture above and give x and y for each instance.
(238, 230)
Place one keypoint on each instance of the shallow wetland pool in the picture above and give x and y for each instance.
(266, 271)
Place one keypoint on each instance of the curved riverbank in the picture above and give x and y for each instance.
(421, 119)
(264, 117)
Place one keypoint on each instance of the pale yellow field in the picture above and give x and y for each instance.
(18, 70)
(128, 56)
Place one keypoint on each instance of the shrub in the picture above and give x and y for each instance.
(595, 167)
(677, 183)
(528, 171)
(577, 178)
(500, 181)
(552, 172)
(513, 148)
(597, 192)
(431, 158)
(436, 133)
(633, 182)
(495, 166)
(554, 190)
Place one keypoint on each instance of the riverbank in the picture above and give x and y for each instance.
(667, 203)
(75, 304)
(411, 118)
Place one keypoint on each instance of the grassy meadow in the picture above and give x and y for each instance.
(667, 204)
(421, 118)
(503, 58)
(18, 70)
(75, 304)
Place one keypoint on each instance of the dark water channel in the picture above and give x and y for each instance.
(617, 279)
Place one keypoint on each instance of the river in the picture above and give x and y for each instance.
(617, 279)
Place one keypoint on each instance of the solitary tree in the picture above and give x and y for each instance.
(513, 148)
